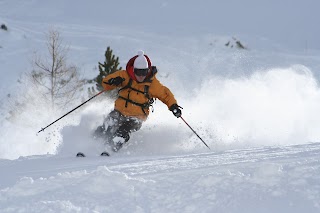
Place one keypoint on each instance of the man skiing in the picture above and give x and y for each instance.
(138, 87)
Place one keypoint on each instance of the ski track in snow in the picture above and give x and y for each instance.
(144, 184)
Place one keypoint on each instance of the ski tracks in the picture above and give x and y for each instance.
(281, 155)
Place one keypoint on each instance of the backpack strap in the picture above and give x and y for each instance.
(145, 92)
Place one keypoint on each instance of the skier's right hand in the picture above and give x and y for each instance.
(116, 81)
(176, 110)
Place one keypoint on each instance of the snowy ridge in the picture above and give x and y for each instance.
(251, 179)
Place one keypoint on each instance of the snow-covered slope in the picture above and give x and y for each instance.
(269, 179)
(257, 109)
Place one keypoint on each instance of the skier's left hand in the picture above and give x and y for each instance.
(175, 108)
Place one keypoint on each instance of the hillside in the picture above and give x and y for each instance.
(256, 107)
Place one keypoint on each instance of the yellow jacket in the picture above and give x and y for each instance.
(129, 108)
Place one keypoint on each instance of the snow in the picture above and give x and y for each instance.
(257, 109)
(276, 179)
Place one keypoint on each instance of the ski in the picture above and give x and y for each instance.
(104, 153)
(80, 154)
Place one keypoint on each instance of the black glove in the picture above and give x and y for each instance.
(175, 108)
(115, 81)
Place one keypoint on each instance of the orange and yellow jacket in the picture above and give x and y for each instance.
(134, 97)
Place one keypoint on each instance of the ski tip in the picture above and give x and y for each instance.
(105, 154)
(80, 154)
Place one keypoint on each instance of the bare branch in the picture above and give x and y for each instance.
(60, 81)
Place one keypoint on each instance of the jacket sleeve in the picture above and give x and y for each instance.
(162, 93)
(120, 73)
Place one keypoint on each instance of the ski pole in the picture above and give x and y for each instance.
(195, 132)
(42, 129)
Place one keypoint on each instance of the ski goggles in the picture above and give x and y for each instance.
(141, 72)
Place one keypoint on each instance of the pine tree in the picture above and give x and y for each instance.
(109, 66)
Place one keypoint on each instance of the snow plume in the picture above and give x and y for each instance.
(275, 106)
(268, 107)
(29, 111)
(77, 136)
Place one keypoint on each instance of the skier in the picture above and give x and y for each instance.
(138, 87)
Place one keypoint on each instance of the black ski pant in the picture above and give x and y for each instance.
(118, 125)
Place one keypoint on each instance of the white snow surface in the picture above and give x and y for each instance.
(257, 109)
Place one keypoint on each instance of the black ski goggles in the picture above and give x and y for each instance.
(141, 72)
